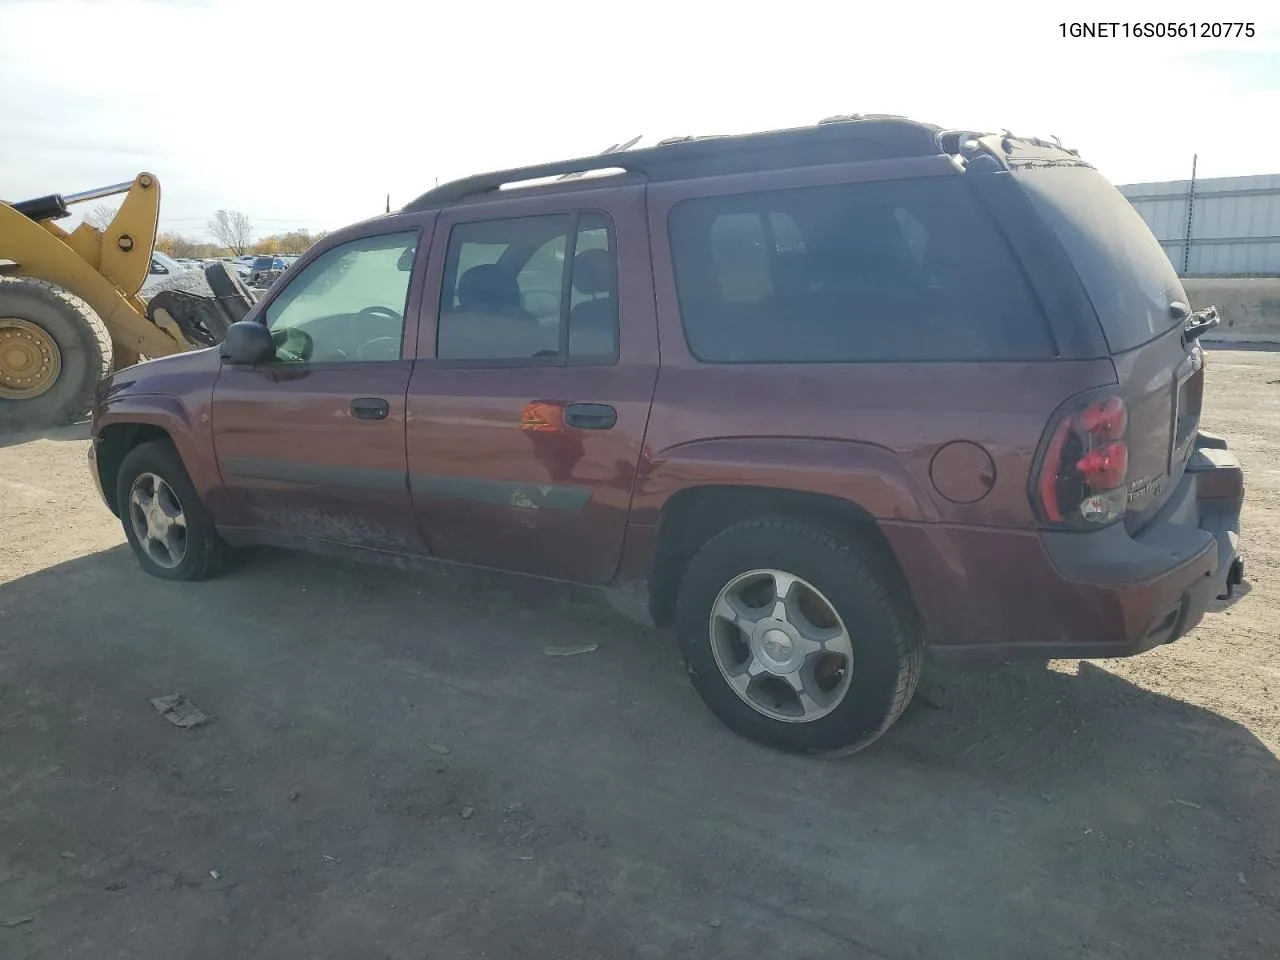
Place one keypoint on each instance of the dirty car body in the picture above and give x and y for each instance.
(995, 415)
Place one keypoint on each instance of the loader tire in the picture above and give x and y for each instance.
(53, 351)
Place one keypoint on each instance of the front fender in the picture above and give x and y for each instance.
(190, 434)
(873, 477)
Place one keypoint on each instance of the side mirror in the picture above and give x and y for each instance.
(247, 341)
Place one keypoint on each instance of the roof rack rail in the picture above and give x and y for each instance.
(872, 137)
(486, 182)
(616, 148)
(850, 117)
(689, 138)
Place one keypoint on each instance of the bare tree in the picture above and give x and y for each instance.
(232, 229)
(100, 216)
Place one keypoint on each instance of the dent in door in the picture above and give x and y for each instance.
(558, 449)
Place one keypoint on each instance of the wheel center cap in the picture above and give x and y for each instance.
(777, 646)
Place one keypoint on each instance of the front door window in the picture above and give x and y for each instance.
(346, 305)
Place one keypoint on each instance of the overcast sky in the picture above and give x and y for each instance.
(307, 119)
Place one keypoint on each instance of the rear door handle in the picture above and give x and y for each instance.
(370, 408)
(590, 416)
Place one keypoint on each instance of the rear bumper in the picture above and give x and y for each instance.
(1163, 578)
(1085, 595)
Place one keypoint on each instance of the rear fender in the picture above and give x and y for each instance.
(872, 477)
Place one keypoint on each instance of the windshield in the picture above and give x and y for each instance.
(1125, 271)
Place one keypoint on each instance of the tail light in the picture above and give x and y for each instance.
(1080, 480)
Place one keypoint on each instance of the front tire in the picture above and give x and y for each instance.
(797, 638)
(172, 534)
(53, 351)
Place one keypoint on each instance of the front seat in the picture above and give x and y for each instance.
(593, 324)
(491, 288)
(490, 320)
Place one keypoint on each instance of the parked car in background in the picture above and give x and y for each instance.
(162, 268)
(819, 397)
(264, 270)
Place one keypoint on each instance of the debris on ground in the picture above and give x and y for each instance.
(439, 748)
(180, 711)
(571, 650)
(1187, 803)
(467, 812)
(67, 855)
(16, 921)
(215, 875)
(294, 795)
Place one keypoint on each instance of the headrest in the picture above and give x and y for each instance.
(487, 286)
(593, 272)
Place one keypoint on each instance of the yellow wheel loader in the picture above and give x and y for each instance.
(69, 306)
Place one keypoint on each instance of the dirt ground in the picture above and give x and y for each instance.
(396, 770)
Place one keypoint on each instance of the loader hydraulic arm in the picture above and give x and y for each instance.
(106, 269)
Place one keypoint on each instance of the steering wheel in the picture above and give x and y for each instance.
(386, 313)
(389, 345)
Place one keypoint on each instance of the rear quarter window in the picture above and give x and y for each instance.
(1126, 273)
(889, 271)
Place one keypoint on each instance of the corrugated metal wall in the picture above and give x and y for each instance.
(1235, 224)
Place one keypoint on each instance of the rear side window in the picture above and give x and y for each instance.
(533, 288)
(899, 271)
(1126, 273)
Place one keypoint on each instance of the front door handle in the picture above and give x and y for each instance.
(370, 408)
(590, 416)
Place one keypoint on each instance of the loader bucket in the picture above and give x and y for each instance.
(202, 303)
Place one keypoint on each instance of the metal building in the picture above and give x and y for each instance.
(1222, 227)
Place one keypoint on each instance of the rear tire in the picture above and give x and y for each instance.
(867, 690)
(83, 352)
(152, 491)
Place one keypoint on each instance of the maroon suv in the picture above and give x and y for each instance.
(819, 397)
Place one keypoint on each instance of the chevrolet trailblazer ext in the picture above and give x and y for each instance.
(822, 396)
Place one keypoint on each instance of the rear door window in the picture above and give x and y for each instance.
(541, 288)
(1125, 271)
(888, 271)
